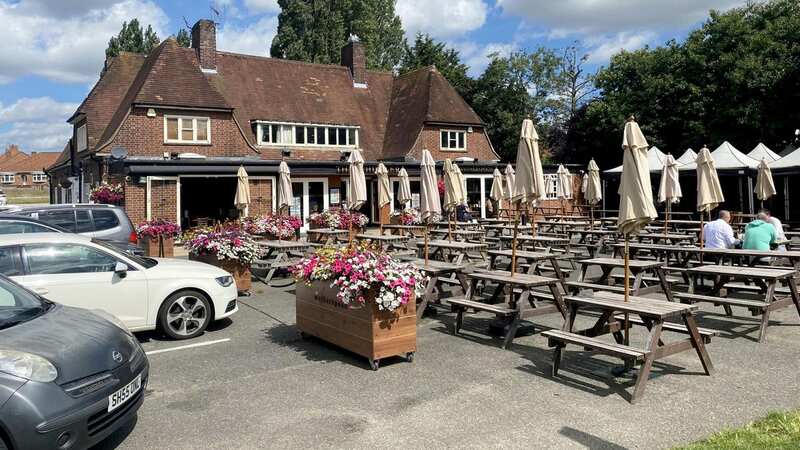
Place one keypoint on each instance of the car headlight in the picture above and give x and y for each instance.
(28, 366)
(113, 319)
(225, 281)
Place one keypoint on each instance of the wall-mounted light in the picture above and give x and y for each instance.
(151, 112)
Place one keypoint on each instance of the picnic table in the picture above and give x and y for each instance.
(438, 272)
(467, 235)
(766, 279)
(326, 235)
(592, 240)
(512, 311)
(559, 226)
(527, 240)
(277, 255)
(638, 269)
(655, 315)
(406, 230)
(533, 258)
(457, 251)
(683, 255)
(500, 230)
(386, 242)
(671, 238)
(462, 225)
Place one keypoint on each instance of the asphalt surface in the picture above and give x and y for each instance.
(257, 385)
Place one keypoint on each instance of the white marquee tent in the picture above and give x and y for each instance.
(655, 160)
(763, 152)
(687, 157)
(727, 157)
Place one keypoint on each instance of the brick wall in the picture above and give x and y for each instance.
(163, 199)
(136, 202)
(260, 197)
(478, 145)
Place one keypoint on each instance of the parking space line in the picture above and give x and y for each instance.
(184, 347)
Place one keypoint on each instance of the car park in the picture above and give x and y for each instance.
(178, 297)
(68, 377)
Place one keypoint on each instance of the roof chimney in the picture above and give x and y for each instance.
(353, 57)
(204, 41)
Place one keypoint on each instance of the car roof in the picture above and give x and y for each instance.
(43, 238)
(18, 208)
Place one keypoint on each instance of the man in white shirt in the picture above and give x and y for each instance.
(778, 226)
(718, 233)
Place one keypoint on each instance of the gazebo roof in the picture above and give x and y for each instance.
(727, 157)
(763, 152)
(687, 157)
(655, 159)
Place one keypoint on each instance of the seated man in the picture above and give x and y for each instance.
(718, 233)
(778, 227)
(759, 234)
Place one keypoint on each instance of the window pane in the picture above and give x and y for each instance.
(342, 136)
(299, 135)
(172, 129)
(275, 134)
(331, 136)
(9, 263)
(310, 135)
(83, 221)
(321, 136)
(64, 218)
(104, 219)
(14, 227)
(351, 136)
(444, 139)
(460, 140)
(67, 258)
(202, 129)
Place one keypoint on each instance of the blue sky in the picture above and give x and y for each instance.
(52, 50)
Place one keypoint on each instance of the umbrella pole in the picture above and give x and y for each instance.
(627, 283)
(666, 217)
(425, 233)
(514, 247)
(702, 244)
(591, 217)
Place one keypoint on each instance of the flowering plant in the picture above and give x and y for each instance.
(281, 227)
(226, 244)
(358, 270)
(338, 219)
(440, 186)
(110, 194)
(408, 216)
(158, 228)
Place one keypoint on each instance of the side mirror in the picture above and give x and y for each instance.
(121, 269)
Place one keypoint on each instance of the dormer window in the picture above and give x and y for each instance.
(80, 137)
(187, 130)
(453, 140)
(306, 135)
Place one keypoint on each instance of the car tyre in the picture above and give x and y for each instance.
(185, 314)
(3, 445)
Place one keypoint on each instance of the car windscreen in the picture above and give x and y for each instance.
(141, 260)
(18, 305)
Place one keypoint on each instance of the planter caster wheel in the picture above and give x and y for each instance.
(410, 356)
(374, 363)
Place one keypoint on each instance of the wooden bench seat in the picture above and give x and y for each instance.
(462, 303)
(705, 333)
(559, 339)
(754, 305)
(650, 279)
(576, 286)
(753, 288)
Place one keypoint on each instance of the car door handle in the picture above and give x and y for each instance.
(41, 290)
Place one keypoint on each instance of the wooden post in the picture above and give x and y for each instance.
(702, 244)
(627, 283)
(666, 216)
(425, 233)
(514, 247)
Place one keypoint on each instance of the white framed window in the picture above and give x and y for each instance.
(39, 178)
(80, 137)
(306, 135)
(453, 139)
(7, 178)
(187, 130)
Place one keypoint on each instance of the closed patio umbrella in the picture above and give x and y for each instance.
(509, 176)
(285, 194)
(564, 188)
(709, 192)
(669, 189)
(765, 186)
(429, 205)
(453, 193)
(593, 191)
(358, 185)
(242, 198)
(496, 193)
(404, 192)
(383, 190)
(529, 181)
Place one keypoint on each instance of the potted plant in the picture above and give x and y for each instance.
(359, 299)
(228, 248)
(407, 216)
(339, 219)
(273, 226)
(158, 237)
(109, 194)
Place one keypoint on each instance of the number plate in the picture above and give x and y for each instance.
(119, 398)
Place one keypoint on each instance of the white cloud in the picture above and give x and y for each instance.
(254, 39)
(476, 56)
(262, 6)
(601, 48)
(49, 39)
(441, 19)
(564, 17)
(35, 123)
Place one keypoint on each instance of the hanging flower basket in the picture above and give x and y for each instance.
(273, 227)
(231, 250)
(359, 300)
(109, 194)
(338, 219)
(158, 237)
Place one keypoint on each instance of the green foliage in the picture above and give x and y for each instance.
(778, 431)
(316, 31)
(183, 38)
(428, 52)
(132, 38)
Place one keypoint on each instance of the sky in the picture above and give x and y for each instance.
(53, 50)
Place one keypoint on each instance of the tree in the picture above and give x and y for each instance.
(428, 52)
(132, 38)
(183, 38)
(316, 31)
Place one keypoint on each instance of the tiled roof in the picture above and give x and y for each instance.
(34, 163)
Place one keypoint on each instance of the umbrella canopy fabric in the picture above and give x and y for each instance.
(709, 192)
(529, 180)
(510, 176)
(358, 183)
(453, 193)
(497, 193)
(429, 204)
(636, 207)
(669, 190)
(765, 186)
(383, 185)
(761, 151)
(687, 157)
(285, 194)
(593, 191)
(242, 198)
(461, 182)
(564, 187)
(655, 161)
(404, 192)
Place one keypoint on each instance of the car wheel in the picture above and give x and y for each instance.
(185, 314)
(3, 445)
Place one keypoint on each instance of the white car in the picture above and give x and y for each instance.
(178, 297)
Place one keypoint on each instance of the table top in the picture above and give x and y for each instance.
(743, 272)
(403, 227)
(642, 306)
(674, 236)
(528, 237)
(524, 254)
(434, 266)
(506, 227)
(382, 237)
(459, 232)
(458, 245)
(327, 231)
(587, 231)
(619, 262)
(519, 279)
(283, 244)
(794, 254)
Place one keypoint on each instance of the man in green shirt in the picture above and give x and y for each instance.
(759, 234)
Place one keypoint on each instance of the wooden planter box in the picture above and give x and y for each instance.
(239, 272)
(365, 331)
(152, 247)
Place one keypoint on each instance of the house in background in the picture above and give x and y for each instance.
(21, 170)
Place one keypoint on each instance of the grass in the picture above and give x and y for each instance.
(777, 431)
(26, 196)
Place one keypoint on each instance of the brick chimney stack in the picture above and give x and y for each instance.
(204, 41)
(354, 57)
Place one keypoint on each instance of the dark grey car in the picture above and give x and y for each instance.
(68, 376)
